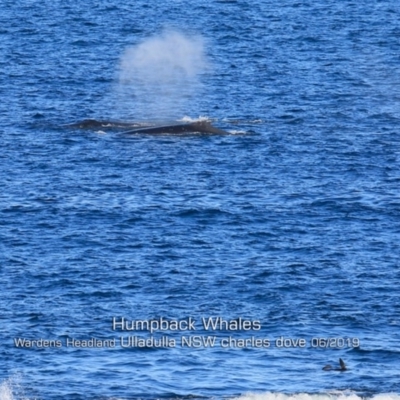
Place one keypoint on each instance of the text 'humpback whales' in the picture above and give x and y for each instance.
(330, 368)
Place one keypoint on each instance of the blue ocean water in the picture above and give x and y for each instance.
(288, 227)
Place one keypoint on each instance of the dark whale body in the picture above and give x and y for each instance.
(200, 127)
(330, 368)
(151, 129)
(95, 124)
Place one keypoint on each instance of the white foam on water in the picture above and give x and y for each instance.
(11, 389)
(236, 132)
(6, 391)
(199, 119)
(319, 396)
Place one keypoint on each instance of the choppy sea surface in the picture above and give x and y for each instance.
(287, 229)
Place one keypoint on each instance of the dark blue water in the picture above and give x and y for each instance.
(290, 222)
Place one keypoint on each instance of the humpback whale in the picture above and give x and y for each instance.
(199, 126)
(95, 124)
(152, 128)
(330, 368)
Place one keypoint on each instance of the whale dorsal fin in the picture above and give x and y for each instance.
(330, 368)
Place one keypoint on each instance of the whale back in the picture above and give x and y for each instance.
(200, 126)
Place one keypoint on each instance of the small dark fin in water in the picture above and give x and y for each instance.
(330, 368)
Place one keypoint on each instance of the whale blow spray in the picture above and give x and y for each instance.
(158, 77)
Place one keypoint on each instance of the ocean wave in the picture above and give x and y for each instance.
(334, 395)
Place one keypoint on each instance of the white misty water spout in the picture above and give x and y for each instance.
(6, 391)
(10, 389)
(158, 77)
